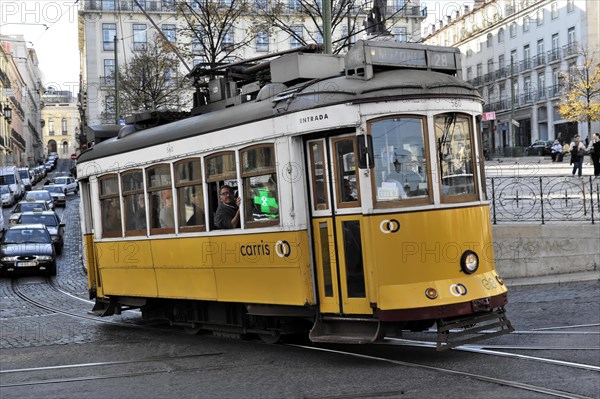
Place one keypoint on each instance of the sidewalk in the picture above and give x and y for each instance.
(554, 279)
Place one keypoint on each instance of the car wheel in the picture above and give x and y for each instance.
(51, 271)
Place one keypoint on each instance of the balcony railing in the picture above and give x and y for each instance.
(553, 55)
(570, 50)
(525, 64)
(554, 91)
(539, 60)
(502, 72)
(128, 5)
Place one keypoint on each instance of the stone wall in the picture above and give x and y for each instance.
(537, 250)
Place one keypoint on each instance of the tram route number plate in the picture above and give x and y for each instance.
(27, 264)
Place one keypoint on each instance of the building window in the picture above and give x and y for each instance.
(501, 63)
(479, 70)
(108, 5)
(63, 126)
(261, 201)
(220, 171)
(540, 16)
(490, 39)
(469, 73)
(526, 21)
(139, 37)
(401, 34)
(109, 31)
(501, 35)
(555, 43)
(554, 10)
(513, 29)
(227, 43)
(295, 6)
(570, 5)
(296, 38)
(51, 126)
(109, 71)
(170, 32)
(399, 5)
(571, 36)
(65, 147)
(262, 41)
(490, 65)
(190, 196)
(540, 47)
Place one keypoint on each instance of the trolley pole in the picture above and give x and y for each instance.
(327, 26)
(117, 110)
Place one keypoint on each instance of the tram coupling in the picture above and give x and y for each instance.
(465, 330)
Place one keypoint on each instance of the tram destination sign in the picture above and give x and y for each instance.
(408, 55)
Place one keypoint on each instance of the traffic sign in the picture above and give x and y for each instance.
(73, 157)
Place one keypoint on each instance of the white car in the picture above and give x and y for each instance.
(69, 183)
(8, 197)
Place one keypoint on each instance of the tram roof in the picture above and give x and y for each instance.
(387, 85)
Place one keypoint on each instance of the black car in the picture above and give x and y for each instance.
(540, 147)
(52, 223)
(27, 248)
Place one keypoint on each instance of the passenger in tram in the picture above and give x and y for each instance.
(228, 211)
(165, 217)
(197, 217)
(137, 220)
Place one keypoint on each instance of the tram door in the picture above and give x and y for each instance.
(336, 225)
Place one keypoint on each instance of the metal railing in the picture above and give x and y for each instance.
(544, 199)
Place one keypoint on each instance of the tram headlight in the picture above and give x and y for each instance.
(469, 262)
(431, 293)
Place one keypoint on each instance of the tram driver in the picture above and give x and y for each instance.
(228, 211)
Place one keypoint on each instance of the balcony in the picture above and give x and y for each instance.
(541, 94)
(539, 60)
(502, 73)
(526, 98)
(553, 55)
(570, 50)
(408, 11)
(488, 77)
(554, 91)
(106, 81)
(525, 64)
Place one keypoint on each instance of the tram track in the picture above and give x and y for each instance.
(480, 377)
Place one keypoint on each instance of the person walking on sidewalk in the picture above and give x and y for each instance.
(577, 154)
(595, 153)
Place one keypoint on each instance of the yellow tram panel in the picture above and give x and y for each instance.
(126, 268)
(420, 250)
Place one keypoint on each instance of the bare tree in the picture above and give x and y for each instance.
(151, 81)
(210, 27)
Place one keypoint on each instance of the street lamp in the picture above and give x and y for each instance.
(7, 112)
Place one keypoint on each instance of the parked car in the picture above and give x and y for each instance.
(68, 182)
(8, 197)
(9, 175)
(27, 248)
(40, 195)
(52, 222)
(25, 206)
(540, 147)
(58, 193)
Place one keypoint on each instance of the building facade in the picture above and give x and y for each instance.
(22, 89)
(61, 123)
(101, 21)
(518, 53)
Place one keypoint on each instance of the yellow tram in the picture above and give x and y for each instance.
(362, 208)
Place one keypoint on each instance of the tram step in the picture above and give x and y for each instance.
(345, 330)
(456, 332)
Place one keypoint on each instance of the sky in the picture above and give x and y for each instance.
(50, 27)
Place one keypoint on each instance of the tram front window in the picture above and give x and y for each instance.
(453, 135)
(400, 159)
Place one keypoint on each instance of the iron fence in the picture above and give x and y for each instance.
(543, 199)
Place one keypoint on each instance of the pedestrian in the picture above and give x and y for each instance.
(577, 154)
(557, 151)
(595, 153)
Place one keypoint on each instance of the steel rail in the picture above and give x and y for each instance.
(498, 381)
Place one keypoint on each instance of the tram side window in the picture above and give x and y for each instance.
(109, 206)
(261, 204)
(220, 170)
(400, 153)
(453, 135)
(317, 168)
(160, 193)
(134, 203)
(190, 198)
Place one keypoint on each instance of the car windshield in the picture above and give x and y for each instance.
(38, 196)
(60, 180)
(29, 206)
(4, 190)
(47, 220)
(54, 189)
(21, 236)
